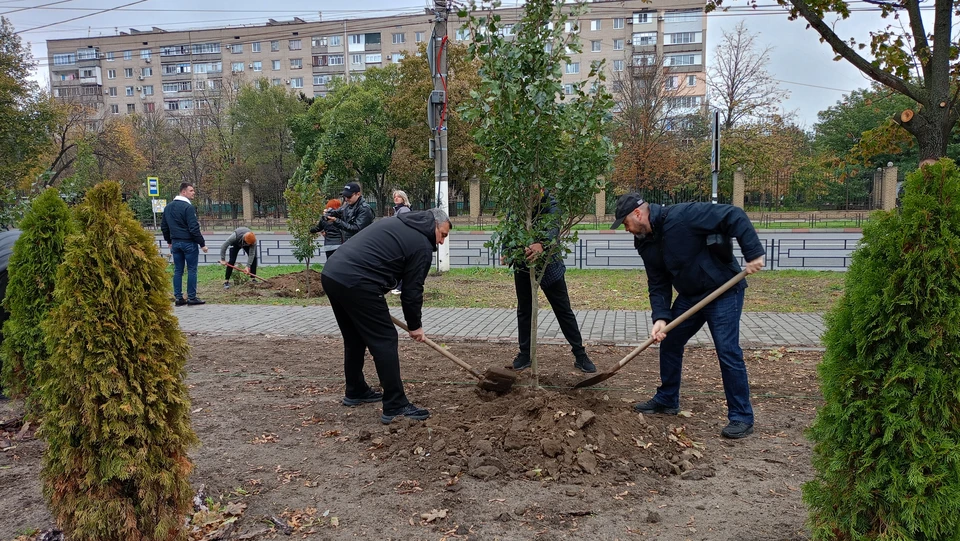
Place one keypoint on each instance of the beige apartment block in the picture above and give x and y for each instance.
(176, 71)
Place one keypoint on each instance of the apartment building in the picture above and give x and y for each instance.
(177, 71)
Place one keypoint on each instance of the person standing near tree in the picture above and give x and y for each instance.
(554, 287)
(687, 247)
(332, 237)
(354, 215)
(241, 239)
(401, 203)
(181, 230)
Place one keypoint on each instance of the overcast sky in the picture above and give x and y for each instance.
(803, 66)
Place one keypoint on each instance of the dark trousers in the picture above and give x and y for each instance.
(234, 252)
(364, 321)
(723, 318)
(186, 254)
(559, 299)
(330, 253)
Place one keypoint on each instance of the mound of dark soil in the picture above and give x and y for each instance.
(294, 284)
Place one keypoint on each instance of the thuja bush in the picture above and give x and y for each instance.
(29, 296)
(117, 411)
(887, 440)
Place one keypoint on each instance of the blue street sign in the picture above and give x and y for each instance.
(153, 187)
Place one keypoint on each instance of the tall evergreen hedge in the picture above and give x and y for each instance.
(887, 440)
(117, 412)
(32, 273)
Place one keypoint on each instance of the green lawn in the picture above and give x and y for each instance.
(769, 291)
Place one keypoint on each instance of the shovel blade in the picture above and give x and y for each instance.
(593, 380)
(498, 380)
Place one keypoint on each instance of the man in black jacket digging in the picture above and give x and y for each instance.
(687, 247)
(356, 278)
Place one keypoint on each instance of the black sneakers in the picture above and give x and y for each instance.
(366, 398)
(521, 362)
(651, 407)
(195, 302)
(584, 364)
(736, 430)
(409, 411)
(179, 302)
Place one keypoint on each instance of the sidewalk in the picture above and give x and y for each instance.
(757, 329)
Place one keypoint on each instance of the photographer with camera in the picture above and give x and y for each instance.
(354, 215)
(332, 238)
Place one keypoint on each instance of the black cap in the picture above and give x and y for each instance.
(351, 189)
(626, 204)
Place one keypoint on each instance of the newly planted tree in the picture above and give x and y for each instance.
(29, 296)
(887, 439)
(305, 204)
(116, 408)
(541, 138)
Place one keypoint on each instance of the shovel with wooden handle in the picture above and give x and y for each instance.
(494, 379)
(593, 380)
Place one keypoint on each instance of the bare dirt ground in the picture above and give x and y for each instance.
(531, 464)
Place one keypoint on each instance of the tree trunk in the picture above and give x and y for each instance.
(534, 313)
(308, 277)
(931, 126)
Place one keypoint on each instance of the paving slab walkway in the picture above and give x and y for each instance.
(612, 327)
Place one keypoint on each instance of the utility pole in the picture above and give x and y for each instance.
(437, 117)
(715, 153)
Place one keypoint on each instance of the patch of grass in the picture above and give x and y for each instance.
(768, 291)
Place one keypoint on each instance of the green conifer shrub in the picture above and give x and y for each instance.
(887, 440)
(32, 273)
(117, 412)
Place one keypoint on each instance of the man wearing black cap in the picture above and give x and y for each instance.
(687, 247)
(354, 215)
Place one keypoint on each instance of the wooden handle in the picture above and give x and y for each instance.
(683, 317)
(440, 350)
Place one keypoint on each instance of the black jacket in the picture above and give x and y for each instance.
(352, 218)
(386, 252)
(676, 254)
(180, 223)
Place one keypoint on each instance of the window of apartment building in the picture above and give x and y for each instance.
(336, 41)
(619, 65)
(296, 63)
(296, 82)
(641, 17)
(236, 67)
(275, 65)
(115, 109)
(679, 38)
(145, 54)
(685, 16)
(295, 44)
(258, 66)
(174, 69)
(129, 90)
(356, 59)
(87, 73)
(572, 68)
(148, 90)
(682, 59)
(206, 48)
(146, 72)
(617, 87)
(209, 67)
(87, 54)
(463, 34)
(571, 27)
(595, 25)
(418, 37)
(336, 60)
(171, 105)
(595, 46)
(643, 60)
(644, 38)
(174, 50)
(685, 102)
(691, 80)
(131, 108)
(149, 107)
(112, 91)
(548, 47)
(618, 23)
(319, 80)
(128, 55)
(318, 41)
(109, 56)
(618, 44)
(128, 73)
(399, 38)
(275, 45)
(64, 59)
(255, 47)
(276, 81)
(111, 74)
(374, 58)
(670, 82)
(568, 89)
(236, 48)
